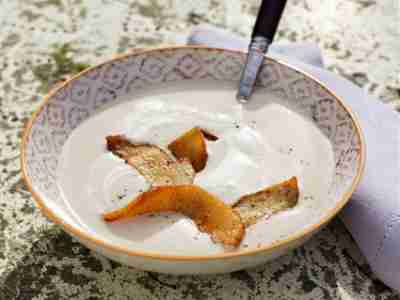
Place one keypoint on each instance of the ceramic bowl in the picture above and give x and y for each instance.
(94, 89)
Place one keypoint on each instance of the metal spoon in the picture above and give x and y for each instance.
(264, 30)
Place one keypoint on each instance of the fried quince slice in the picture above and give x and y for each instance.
(208, 135)
(209, 213)
(271, 200)
(156, 165)
(192, 145)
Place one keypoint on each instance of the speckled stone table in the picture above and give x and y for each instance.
(44, 41)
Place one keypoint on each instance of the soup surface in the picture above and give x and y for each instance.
(260, 143)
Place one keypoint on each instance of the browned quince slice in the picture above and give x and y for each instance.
(153, 163)
(209, 213)
(268, 201)
(192, 145)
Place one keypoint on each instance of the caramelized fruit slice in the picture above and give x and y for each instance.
(268, 201)
(192, 145)
(210, 214)
(153, 163)
(208, 135)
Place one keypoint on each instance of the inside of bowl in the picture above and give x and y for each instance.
(185, 68)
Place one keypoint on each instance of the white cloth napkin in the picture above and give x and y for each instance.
(373, 214)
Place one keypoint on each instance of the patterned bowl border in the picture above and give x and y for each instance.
(48, 128)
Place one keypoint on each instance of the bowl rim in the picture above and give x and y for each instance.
(87, 237)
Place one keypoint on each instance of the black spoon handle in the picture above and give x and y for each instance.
(268, 18)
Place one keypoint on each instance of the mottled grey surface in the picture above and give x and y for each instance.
(43, 41)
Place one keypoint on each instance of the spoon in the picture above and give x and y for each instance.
(264, 30)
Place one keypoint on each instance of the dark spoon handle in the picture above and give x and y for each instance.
(268, 18)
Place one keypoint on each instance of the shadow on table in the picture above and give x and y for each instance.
(58, 267)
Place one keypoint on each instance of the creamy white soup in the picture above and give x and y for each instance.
(260, 143)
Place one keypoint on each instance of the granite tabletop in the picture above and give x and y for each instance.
(45, 41)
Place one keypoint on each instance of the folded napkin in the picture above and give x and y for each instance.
(373, 214)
